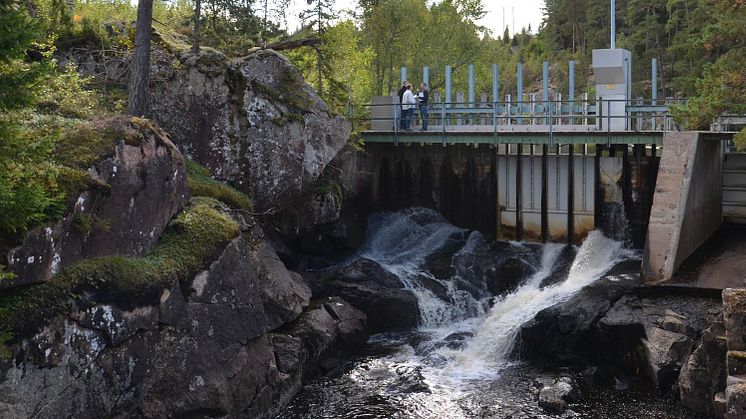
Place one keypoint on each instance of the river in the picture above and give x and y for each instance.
(460, 362)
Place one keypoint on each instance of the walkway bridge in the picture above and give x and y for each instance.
(547, 169)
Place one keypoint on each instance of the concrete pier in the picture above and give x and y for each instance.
(687, 205)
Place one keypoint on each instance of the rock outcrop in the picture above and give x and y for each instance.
(233, 342)
(368, 286)
(734, 314)
(253, 121)
(703, 375)
(133, 193)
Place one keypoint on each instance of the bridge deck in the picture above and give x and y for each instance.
(518, 134)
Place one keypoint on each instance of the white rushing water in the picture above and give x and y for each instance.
(401, 243)
(495, 337)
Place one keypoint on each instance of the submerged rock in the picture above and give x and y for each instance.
(554, 398)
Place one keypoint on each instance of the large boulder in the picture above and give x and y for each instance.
(134, 192)
(216, 346)
(565, 333)
(252, 121)
(371, 288)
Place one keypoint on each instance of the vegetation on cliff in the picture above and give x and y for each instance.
(201, 183)
(193, 239)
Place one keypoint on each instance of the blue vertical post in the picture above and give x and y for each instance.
(449, 83)
(472, 97)
(654, 87)
(448, 99)
(519, 90)
(426, 75)
(654, 77)
(545, 91)
(571, 90)
(403, 74)
(495, 83)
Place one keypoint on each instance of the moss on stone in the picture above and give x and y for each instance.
(83, 223)
(193, 239)
(202, 184)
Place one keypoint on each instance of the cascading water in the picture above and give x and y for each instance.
(400, 242)
(457, 363)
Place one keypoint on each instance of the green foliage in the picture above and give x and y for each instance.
(740, 140)
(64, 93)
(202, 184)
(191, 241)
(83, 223)
(29, 192)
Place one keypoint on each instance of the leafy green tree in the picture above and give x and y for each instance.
(27, 185)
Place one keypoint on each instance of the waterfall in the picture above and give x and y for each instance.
(494, 339)
(401, 242)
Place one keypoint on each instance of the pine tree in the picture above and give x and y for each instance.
(137, 104)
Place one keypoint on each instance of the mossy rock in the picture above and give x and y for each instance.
(193, 239)
(202, 184)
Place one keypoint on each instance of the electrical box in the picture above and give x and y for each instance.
(612, 69)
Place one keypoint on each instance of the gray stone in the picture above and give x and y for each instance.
(703, 374)
(140, 188)
(369, 287)
(554, 398)
(666, 351)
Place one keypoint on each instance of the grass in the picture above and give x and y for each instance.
(193, 239)
(202, 184)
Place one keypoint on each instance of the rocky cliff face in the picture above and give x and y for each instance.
(135, 190)
(156, 316)
(234, 340)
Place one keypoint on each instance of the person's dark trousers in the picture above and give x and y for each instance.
(409, 117)
(402, 118)
(423, 116)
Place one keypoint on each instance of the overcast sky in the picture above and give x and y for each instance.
(526, 12)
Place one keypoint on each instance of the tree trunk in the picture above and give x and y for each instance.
(197, 17)
(137, 104)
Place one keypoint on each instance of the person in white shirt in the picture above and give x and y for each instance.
(408, 105)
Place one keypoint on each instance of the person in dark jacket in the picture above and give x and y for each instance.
(403, 89)
(423, 97)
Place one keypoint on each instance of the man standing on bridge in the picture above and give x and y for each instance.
(408, 105)
(423, 96)
(402, 89)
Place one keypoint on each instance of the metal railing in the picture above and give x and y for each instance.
(581, 115)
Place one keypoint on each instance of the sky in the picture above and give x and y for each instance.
(526, 12)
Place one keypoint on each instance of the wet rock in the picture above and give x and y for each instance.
(134, 193)
(555, 397)
(369, 287)
(566, 332)
(703, 375)
(561, 267)
(508, 275)
(329, 329)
